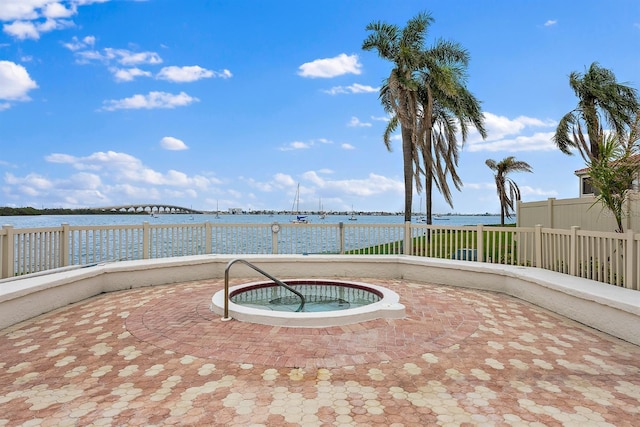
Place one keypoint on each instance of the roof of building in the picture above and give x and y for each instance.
(583, 171)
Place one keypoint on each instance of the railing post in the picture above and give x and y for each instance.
(7, 268)
(573, 250)
(341, 237)
(65, 246)
(208, 236)
(275, 229)
(537, 260)
(631, 270)
(407, 238)
(480, 242)
(146, 238)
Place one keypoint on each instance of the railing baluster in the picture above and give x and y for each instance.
(606, 257)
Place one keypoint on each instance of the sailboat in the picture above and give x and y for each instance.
(295, 209)
(353, 215)
(217, 211)
(322, 215)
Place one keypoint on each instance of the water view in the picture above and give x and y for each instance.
(93, 220)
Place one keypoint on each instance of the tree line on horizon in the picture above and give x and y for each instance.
(27, 211)
(426, 96)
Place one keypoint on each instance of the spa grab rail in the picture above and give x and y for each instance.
(259, 270)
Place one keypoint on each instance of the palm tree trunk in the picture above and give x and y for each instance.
(428, 189)
(407, 158)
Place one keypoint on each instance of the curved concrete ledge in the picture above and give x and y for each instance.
(607, 308)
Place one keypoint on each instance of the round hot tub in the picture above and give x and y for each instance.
(326, 303)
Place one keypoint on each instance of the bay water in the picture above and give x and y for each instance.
(40, 221)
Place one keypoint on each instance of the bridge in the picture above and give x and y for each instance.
(150, 208)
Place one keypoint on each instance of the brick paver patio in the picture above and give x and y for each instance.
(158, 356)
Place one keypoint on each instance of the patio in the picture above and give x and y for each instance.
(158, 356)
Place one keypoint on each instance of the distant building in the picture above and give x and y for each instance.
(586, 188)
(235, 211)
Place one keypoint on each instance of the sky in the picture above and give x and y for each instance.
(237, 103)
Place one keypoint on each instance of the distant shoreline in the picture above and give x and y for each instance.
(28, 211)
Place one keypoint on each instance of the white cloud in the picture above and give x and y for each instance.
(550, 23)
(354, 88)
(373, 185)
(56, 10)
(285, 180)
(504, 134)
(32, 184)
(22, 30)
(12, 10)
(102, 177)
(539, 141)
(526, 190)
(184, 74)
(347, 146)
(501, 126)
(121, 56)
(265, 187)
(123, 167)
(331, 67)
(128, 74)
(296, 145)
(77, 44)
(355, 122)
(84, 181)
(28, 19)
(173, 144)
(150, 101)
(127, 57)
(15, 82)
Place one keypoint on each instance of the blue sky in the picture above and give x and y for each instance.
(234, 103)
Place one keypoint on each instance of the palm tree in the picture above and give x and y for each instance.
(404, 48)
(448, 108)
(612, 174)
(600, 98)
(507, 189)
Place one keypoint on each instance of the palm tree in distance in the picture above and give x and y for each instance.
(507, 189)
(405, 49)
(600, 98)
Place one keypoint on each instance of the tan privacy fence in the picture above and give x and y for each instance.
(584, 212)
(606, 257)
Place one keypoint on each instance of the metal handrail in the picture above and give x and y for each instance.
(259, 270)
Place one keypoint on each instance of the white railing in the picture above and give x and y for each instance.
(606, 257)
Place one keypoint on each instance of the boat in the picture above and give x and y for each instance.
(295, 209)
(321, 215)
(353, 215)
(217, 211)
